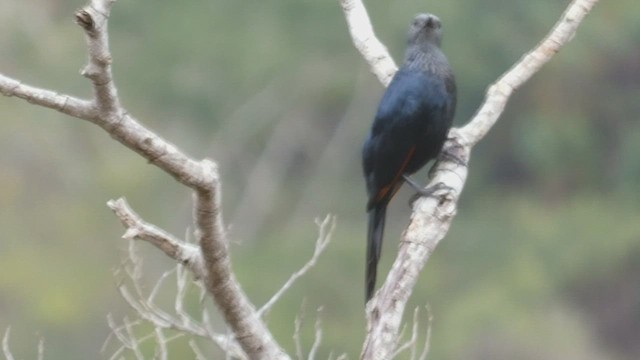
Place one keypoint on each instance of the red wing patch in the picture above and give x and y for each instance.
(393, 187)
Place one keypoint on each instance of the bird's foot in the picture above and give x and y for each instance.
(424, 191)
(446, 156)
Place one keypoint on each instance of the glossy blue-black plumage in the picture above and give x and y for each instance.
(415, 112)
(410, 127)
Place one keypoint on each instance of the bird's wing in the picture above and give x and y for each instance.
(403, 115)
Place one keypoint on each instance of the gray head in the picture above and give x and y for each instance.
(425, 29)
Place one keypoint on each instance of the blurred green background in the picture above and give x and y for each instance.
(542, 261)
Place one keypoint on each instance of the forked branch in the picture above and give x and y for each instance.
(212, 262)
(432, 217)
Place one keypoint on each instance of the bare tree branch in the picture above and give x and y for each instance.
(498, 94)
(298, 322)
(202, 176)
(318, 335)
(427, 337)
(173, 247)
(112, 117)
(6, 350)
(238, 312)
(41, 349)
(432, 217)
(183, 252)
(145, 307)
(5, 344)
(63, 103)
(133, 340)
(409, 344)
(93, 19)
(325, 231)
(115, 332)
(161, 341)
(365, 40)
(297, 331)
(196, 350)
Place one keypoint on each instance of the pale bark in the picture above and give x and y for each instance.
(364, 39)
(105, 110)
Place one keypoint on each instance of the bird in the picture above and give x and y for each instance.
(410, 127)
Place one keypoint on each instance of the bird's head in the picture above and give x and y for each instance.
(425, 29)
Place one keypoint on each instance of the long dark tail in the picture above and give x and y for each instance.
(374, 245)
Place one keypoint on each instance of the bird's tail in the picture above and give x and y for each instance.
(374, 245)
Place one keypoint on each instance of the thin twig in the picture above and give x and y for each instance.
(5, 344)
(115, 332)
(297, 331)
(41, 349)
(181, 281)
(133, 340)
(325, 231)
(196, 350)
(427, 338)
(158, 285)
(318, 336)
(161, 341)
(410, 344)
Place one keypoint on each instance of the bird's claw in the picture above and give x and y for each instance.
(453, 158)
(429, 191)
(446, 156)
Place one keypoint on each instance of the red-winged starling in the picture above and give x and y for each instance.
(409, 129)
